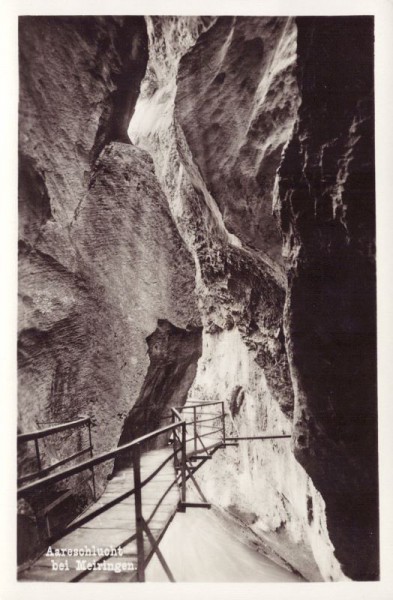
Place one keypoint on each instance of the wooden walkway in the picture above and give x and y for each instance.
(115, 538)
(113, 528)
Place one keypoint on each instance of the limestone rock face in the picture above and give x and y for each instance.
(260, 482)
(101, 260)
(236, 102)
(79, 83)
(151, 272)
(326, 203)
(241, 291)
(235, 286)
(216, 118)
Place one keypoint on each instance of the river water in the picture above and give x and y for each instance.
(199, 546)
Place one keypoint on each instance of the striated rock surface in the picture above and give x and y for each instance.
(101, 261)
(326, 204)
(236, 102)
(79, 80)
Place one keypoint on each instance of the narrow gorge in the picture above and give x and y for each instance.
(197, 225)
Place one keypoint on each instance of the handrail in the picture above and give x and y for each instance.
(101, 509)
(217, 416)
(178, 415)
(40, 433)
(41, 471)
(195, 421)
(208, 434)
(205, 412)
(46, 470)
(179, 454)
(258, 437)
(180, 447)
(192, 404)
(96, 460)
(185, 472)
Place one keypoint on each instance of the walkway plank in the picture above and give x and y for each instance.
(114, 527)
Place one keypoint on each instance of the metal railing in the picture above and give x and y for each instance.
(42, 434)
(259, 437)
(193, 442)
(195, 434)
(194, 415)
(141, 523)
(185, 447)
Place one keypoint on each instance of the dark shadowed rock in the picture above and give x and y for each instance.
(327, 212)
(173, 354)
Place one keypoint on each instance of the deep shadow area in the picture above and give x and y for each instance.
(174, 355)
(327, 194)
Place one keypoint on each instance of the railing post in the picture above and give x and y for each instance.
(195, 430)
(183, 462)
(174, 437)
(91, 456)
(223, 421)
(37, 452)
(47, 525)
(136, 457)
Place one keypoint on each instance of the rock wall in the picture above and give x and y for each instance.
(79, 81)
(174, 354)
(236, 102)
(260, 482)
(116, 238)
(218, 106)
(101, 261)
(235, 286)
(326, 204)
(241, 291)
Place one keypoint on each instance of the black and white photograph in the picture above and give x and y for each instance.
(197, 325)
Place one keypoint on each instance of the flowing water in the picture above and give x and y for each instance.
(199, 546)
